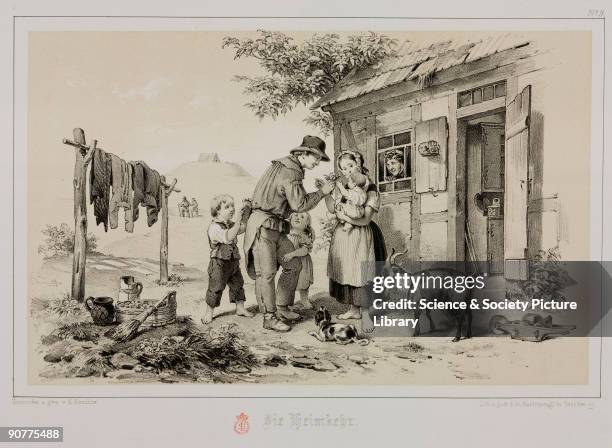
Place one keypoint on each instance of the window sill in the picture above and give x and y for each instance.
(395, 196)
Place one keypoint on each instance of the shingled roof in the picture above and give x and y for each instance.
(421, 63)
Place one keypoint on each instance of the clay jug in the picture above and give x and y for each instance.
(101, 309)
(129, 289)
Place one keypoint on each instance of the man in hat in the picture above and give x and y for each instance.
(278, 193)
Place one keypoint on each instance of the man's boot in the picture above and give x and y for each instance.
(284, 313)
(271, 322)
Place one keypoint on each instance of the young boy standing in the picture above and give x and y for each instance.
(224, 266)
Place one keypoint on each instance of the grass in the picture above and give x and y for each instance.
(174, 280)
(215, 350)
(414, 347)
(65, 307)
(79, 331)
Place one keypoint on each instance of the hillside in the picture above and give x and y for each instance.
(204, 179)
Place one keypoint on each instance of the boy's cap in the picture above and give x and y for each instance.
(313, 145)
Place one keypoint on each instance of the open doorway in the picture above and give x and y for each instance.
(484, 192)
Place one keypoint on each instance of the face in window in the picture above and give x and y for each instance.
(394, 161)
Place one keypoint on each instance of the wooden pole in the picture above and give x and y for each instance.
(163, 247)
(82, 158)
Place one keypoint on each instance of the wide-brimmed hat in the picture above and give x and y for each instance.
(313, 145)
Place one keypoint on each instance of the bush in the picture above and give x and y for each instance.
(548, 277)
(59, 240)
(325, 234)
(65, 306)
(328, 224)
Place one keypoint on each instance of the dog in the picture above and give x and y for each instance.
(332, 332)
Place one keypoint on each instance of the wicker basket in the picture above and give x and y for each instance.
(164, 315)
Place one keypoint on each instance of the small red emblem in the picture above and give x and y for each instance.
(242, 424)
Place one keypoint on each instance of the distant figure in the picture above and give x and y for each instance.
(193, 208)
(183, 207)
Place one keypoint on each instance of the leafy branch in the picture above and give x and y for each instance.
(300, 74)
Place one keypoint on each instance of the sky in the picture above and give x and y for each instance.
(159, 96)
(163, 97)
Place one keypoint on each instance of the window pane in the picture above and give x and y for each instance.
(464, 98)
(408, 169)
(402, 139)
(487, 93)
(383, 188)
(500, 89)
(381, 166)
(402, 185)
(477, 96)
(385, 142)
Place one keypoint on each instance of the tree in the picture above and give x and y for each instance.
(301, 74)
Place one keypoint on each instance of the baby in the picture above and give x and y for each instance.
(355, 194)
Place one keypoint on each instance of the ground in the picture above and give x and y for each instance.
(294, 357)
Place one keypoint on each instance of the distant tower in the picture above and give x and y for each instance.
(209, 157)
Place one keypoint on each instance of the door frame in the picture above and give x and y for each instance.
(461, 156)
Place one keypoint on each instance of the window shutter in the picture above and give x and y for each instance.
(516, 186)
(430, 170)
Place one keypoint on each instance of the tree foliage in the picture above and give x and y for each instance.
(299, 74)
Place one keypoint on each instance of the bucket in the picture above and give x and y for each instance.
(129, 288)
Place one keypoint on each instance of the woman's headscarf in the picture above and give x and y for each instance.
(355, 156)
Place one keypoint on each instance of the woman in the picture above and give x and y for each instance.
(353, 253)
(395, 164)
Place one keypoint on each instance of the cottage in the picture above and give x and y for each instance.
(453, 133)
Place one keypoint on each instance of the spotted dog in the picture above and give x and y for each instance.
(333, 332)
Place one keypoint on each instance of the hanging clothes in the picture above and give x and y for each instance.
(129, 211)
(138, 188)
(153, 192)
(121, 190)
(100, 182)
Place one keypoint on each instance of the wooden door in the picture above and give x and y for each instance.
(516, 186)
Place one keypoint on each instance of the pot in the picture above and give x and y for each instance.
(101, 309)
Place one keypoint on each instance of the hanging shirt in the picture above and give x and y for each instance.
(121, 192)
(100, 181)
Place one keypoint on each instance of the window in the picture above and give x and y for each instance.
(393, 162)
(481, 94)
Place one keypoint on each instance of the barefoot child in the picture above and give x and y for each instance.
(302, 236)
(224, 266)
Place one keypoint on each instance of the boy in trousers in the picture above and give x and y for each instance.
(224, 266)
